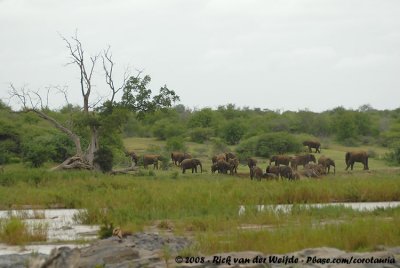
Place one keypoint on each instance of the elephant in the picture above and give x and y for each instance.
(273, 169)
(149, 159)
(234, 162)
(270, 176)
(296, 175)
(178, 157)
(319, 169)
(256, 172)
(191, 163)
(133, 156)
(218, 157)
(222, 167)
(286, 172)
(309, 173)
(313, 144)
(302, 160)
(229, 155)
(359, 156)
(280, 160)
(251, 162)
(327, 163)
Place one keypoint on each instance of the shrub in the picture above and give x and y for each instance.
(200, 135)
(393, 157)
(247, 148)
(233, 132)
(219, 146)
(164, 129)
(277, 143)
(175, 144)
(268, 144)
(104, 158)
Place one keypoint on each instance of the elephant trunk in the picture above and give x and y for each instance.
(201, 168)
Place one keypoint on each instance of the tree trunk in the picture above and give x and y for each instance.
(93, 147)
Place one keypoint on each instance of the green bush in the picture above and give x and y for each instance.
(175, 144)
(104, 158)
(247, 148)
(200, 135)
(164, 129)
(233, 132)
(268, 144)
(393, 157)
(36, 152)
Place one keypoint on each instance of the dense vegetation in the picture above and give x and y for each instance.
(254, 132)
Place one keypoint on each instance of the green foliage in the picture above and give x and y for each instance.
(232, 132)
(269, 144)
(137, 96)
(200, 134)
(104, 158)
(39, 149)
(277, 143)
(164, 129)
(393, 157)
(204, 118)
(175, 144)
(218, 146)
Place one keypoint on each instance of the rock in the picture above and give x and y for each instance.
(155, 251)
(21, 260)
(63, 257)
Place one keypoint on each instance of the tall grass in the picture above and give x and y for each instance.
(206, 205)
(14, 231)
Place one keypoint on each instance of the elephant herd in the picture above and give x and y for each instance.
(287, 166)
(280, 166)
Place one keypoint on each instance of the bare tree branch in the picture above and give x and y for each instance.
(23, 96)
(108, 66)
(77, 56)
(19, 94)
(63, 91)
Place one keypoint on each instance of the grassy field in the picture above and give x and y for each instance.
(205, 206)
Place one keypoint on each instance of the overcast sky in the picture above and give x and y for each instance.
(272, 54)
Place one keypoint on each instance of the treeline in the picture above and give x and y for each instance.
(260, 132)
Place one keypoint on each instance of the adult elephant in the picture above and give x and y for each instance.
(151, 159)
(178, 157)
(358, 156)
(313, 144)
(234, 162)
(302, 160)
(229, 156)
(286, 172)
(222, 167)
(251, 162)
(191, 164)
(327, 162)
(280, 160)
(218, 157)
(256, 173)
(273, 169)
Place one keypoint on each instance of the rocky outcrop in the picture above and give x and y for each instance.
(154, 250)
